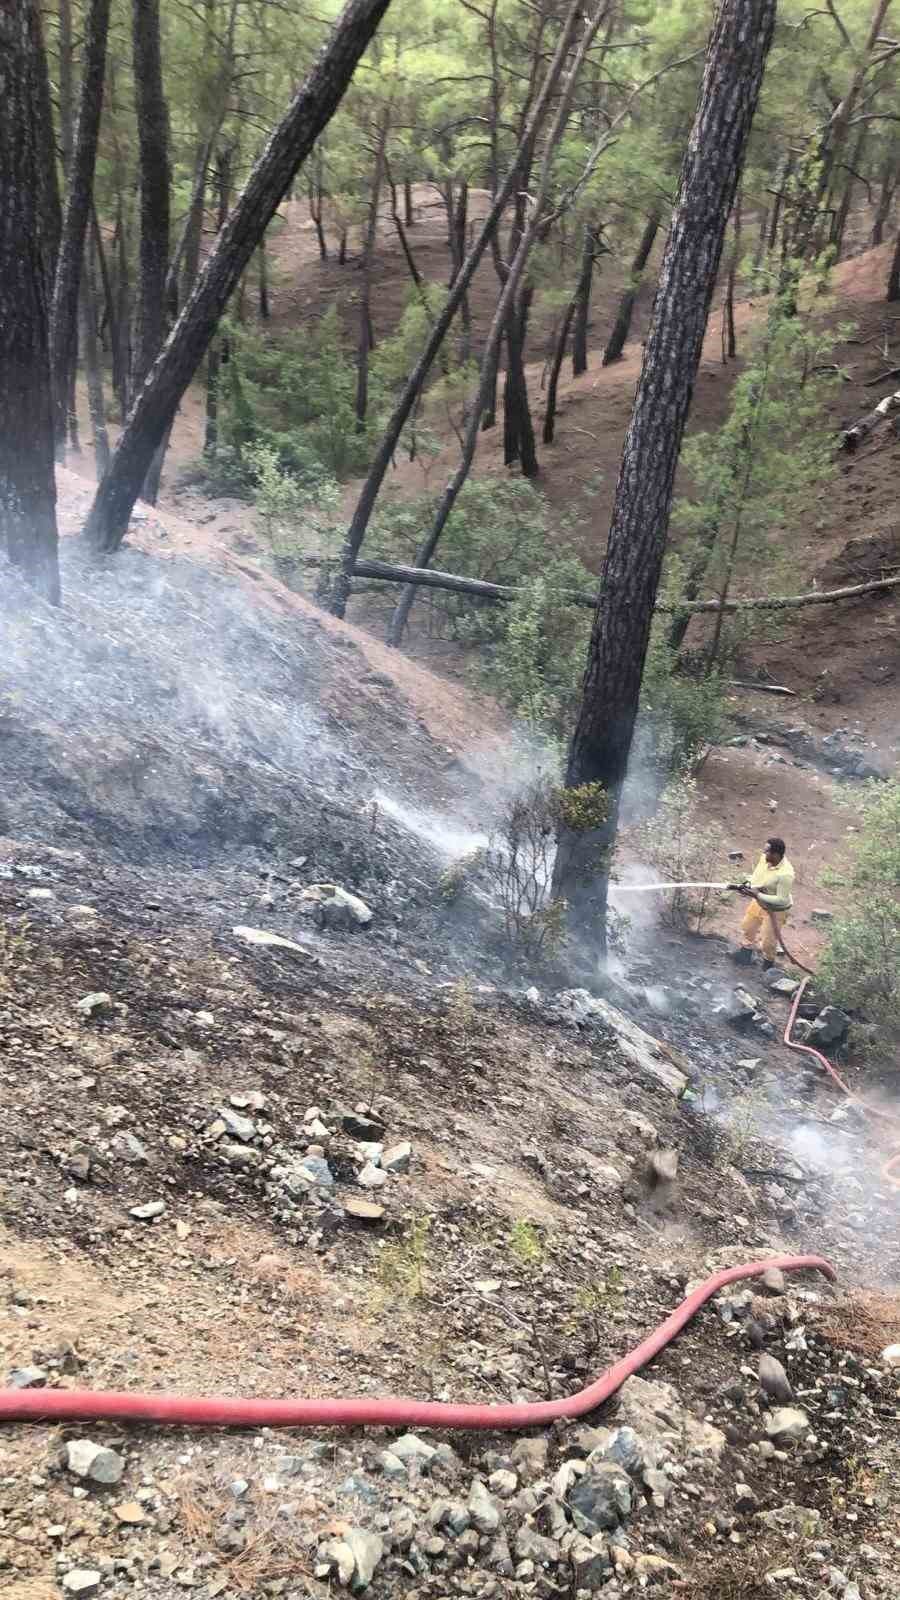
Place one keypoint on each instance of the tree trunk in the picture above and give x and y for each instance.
(316, 193)
(408, 209)
(622, 325)
(738, 47)
(759, 252)
(729, 336)
(582, 301)
(122, 351)
(365, 341)
(518, 429)
(287, 149)
(782, 179)
(49, 203)
(153, 149)
(839, 225)
(262, 258)
(342, 248)
(216, 354)
(559, 356)
(886, 192)
(66, 98)
(27, 489)
(64, 315)
(369, 493)
(893, 283)
(93, 369)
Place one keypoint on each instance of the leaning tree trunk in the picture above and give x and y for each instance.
(153, 147)
(559, 356)
(729, 333)
(582, 301)
(416, 380)
(842, 215)
(27, 488)
(601, 743)
(364, 342)
(216, 354)
(64, 316)
(309, 113)
(92, 367)
(622, 325)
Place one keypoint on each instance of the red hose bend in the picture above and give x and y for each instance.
(83, 1405)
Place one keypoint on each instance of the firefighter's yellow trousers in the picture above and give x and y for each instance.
(758, 928)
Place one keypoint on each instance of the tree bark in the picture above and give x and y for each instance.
(893, 283)
(559, 356)
(49, 202)
(729, 335)
(66, 99)
(27, 488)
(408, 209)
(122, 350)
(316, 193)
(216, 353)
(153, 159)
(287, 149)
(622, 325)
(886, 191)
(365, 340)
(601, 742)
(582, 301)
(839, 225)
(64, 315)
(92, 365)
(262, 257)
(518, 429)
(400, 416)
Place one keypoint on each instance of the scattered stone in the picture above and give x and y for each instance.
(371, 1177)
(316, 1171)
(146, 1213)
(363, 1210)
(642, 1126)
(238, 1127)
(662, 1167)
(773, 1380)
(891, 1356)
(503, 1483)
(591, 1562)
(625, 1448)
(390, 1464)
(397, 1159)
(654, 1411)
(130, 1513)
(450, 1514)
(773, 1281)
(655, 1569)
(530, 1456)
(787, 1423)
(409, 1447)
(821, 915)
(532, 1546)
(27, 1378)
(484, 1511)
(93, 1004)
(799, 1521)
(128, 1148)
(741, 1008)
(779, 983)
(831, 1026)
(94, 1461)
(354, 1557)
(274, 941)
(335, 907)
(601, 1499)
(81, 1580)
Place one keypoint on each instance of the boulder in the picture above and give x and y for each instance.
(787, 1423)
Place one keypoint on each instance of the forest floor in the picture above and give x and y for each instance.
(189, 749)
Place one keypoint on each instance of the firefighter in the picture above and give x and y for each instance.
(770, 892)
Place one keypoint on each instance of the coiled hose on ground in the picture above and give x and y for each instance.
(84, 1405)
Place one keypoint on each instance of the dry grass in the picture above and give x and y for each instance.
(273, 1550)
(865, 1322)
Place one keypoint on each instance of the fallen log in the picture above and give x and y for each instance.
(432, 578)
(851, 438)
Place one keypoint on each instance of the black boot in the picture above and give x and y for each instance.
(742, 957)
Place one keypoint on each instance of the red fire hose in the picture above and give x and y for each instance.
(83, 1405)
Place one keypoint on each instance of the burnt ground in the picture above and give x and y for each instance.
(178, 761)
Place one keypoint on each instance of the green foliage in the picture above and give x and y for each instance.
(683, 847)
(294, 508)
(526, 1243)
(861, 966)
(402, 1266)
(682, 711)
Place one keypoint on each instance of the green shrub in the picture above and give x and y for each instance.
(861, 965)
(682, 847)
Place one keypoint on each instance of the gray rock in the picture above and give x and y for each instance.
(821, 915)
(499, 1555)
(27, 1378)
(656, 1414)
(773, 1281)
(371, 1177)
(391, 1465)
(773, 1380)
(531, 1546)
(787, 1423)
(503, 1483)
(317, 1172)
(354, 1558)
(82, 1580)
(239, 1487)
(741, 1008)
(129, 1149)
(779, 983)
(397, 1158)
(484, 1511)
(409, 1447)
(831, 1026)
(335, 907)
(96, 1004)
(530, 1456)
(450, 1514)
(94, 1461)
(659, 1485)
(626, 1449)
(78, 1165)
(601, 1499)
(591, 1562)
(798, 1521)
(243, 1128)
(146, 1213)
